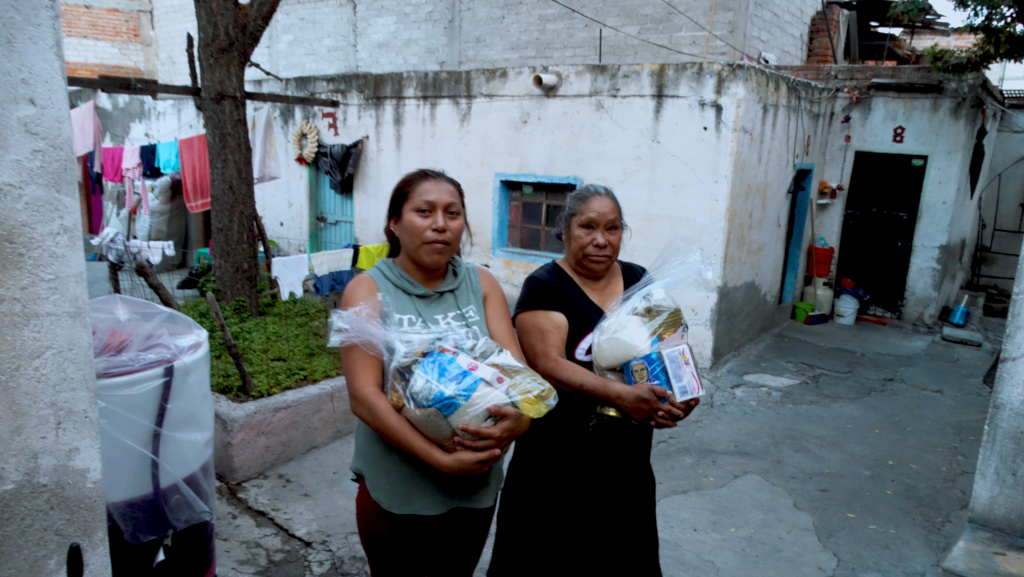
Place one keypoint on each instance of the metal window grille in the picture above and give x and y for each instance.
(533, 211)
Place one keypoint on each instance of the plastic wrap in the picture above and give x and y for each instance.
(643, 335)
(442, 378)
(155, 416)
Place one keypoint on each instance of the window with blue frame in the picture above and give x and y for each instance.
(527, 209)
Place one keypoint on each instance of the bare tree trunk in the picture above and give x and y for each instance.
(228, 33)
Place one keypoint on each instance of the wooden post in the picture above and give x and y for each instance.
(143, 269)
(113, 275)
(229, 342)
(266, 253)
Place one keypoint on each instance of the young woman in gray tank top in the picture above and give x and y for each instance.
(421, 510)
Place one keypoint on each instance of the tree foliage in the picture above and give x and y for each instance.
(999, 25)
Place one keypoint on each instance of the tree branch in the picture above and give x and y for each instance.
(260, 13)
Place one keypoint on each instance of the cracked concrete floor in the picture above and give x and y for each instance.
(819, 451)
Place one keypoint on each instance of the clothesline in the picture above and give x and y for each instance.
(150, 138)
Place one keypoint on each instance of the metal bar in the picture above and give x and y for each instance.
(1009, 231)
(1000, 253)
(128, 85)
(997, 277)
(995, 216)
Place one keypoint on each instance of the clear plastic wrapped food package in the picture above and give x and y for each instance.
(442, 378)
(156, 418)
(643, 335)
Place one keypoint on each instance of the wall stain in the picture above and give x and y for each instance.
(742, 314)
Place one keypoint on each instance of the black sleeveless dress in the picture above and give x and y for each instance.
(579, 496)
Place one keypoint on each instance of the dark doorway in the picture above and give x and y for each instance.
(878, 228)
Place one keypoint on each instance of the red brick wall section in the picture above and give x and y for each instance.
(100, 24)
(820, 50)
(83, 70)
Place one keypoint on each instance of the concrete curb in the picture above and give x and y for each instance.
(252, 438)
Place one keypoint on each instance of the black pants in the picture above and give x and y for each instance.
(448, 544)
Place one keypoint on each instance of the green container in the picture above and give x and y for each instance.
(801, 310)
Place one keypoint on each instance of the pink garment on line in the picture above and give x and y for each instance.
(86, 132)
(195, 172)
(131, 170)
(113, 156)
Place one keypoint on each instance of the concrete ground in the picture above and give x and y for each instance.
(819, 451)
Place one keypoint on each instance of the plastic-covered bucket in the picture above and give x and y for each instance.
(846, 310)
(156, 432)
(801, 310)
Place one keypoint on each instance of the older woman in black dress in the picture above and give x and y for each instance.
(579, 496)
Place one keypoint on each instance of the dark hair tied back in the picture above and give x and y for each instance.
(400, 195)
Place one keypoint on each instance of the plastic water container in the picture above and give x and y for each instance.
(156, 434)
(846, 310)
(821, 295)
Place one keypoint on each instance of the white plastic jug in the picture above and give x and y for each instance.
(846, 310)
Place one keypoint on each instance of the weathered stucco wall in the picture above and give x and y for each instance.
(941, 127)
(770, 137)
(659, 135)
(51, 491)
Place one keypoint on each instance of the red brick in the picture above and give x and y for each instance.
(100, 24)
(83, 70)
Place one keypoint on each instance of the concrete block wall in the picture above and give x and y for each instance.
(507, 33)
(322, 37)
(172, 20)
(781, 27)
(107, 40)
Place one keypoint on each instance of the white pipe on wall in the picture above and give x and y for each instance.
(545, 81)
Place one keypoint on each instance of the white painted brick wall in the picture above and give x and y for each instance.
(781, 27)
(318, 37)
(103, 52)
(172, 20)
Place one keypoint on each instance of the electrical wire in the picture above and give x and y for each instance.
(669, 48)
(708, 30)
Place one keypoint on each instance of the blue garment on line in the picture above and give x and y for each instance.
(334, 282)
(167, 159)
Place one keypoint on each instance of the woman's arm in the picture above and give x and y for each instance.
(511, 423)
(364, 374)
(542, 335)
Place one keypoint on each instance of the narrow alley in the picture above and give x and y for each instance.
(818, 451)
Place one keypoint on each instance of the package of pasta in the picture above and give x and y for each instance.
(442, 378)
(643, 335)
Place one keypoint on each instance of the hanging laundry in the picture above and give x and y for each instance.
(329, 261)
(114, 246)
(332, 269)
(266, 164)
(370, 254)
(339, 163)
(94, 183)
(113, 156)
(149, 167)
(131, 169)
(195, 172)
(86, 132)
(332, 282)
(290, 271)
(167, 159)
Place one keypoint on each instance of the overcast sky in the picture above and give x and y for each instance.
(945, 7)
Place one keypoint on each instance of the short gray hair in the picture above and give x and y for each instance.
(578, 198)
